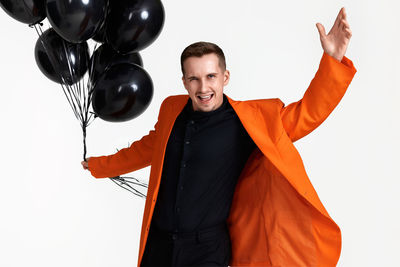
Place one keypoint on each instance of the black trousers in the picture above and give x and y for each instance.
(207, 247)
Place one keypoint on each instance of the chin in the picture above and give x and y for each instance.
(202, 107)
(205, 109)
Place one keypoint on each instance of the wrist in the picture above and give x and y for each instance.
(335, 56)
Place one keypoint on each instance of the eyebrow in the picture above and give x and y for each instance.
(215, 73)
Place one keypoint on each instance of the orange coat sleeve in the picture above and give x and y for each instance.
(321, 97)
(138, 155)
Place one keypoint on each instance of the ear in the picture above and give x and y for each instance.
(184, 82)
(226, 77)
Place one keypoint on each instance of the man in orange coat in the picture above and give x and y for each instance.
(276, 217)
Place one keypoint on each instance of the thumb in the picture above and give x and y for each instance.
(321, 30)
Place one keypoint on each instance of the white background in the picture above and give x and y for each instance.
(53, 213)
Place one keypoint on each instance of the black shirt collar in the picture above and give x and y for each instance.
(200, 114)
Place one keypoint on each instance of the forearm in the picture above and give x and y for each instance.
(323, 94)
(129, 159)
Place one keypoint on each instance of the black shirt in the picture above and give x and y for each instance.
(205, 155)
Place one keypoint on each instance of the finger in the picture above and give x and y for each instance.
(321, 30)
(344, 14)
(348, 33)
(345, 24)
(338, 18)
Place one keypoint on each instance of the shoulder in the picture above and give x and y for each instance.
(174, 99)
(265, 103)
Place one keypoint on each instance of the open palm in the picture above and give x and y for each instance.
(336, 41)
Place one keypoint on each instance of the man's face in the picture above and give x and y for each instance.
(204, 80)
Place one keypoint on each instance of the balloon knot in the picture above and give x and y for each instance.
(33, 24)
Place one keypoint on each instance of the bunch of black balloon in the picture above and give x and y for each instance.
(108, 81)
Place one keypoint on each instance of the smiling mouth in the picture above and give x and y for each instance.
(205, 99)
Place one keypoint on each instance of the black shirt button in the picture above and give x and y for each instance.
(191, 122)
(184, 165)
(181, 187)
(178, 209)
(174, 236)
(187, 142)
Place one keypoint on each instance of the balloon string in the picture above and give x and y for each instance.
(120, 181)
(87, 98)
(72, 72)
(84, 142)
(53, 61)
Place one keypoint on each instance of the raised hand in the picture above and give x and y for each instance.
(336, 42)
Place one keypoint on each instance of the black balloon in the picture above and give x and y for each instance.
(122, 93)
(105, 57)
(58, 58)
(25, 11)
(76, 21)
(132, 25)
(100, 34)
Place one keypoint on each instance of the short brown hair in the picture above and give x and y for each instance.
(199, 49)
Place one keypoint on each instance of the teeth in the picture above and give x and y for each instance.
(205, 97)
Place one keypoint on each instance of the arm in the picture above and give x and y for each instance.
(138, 155)
(322, 96)
(328, 85)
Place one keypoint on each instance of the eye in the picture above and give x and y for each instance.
(211, 75)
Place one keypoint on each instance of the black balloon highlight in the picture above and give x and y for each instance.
(122, 93)
(105, 56)
(60, 60)
(25, 11)
(133, 25)
(76, 21)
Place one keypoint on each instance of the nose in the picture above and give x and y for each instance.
(203, 86)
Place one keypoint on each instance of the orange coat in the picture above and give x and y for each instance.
(276, 217)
